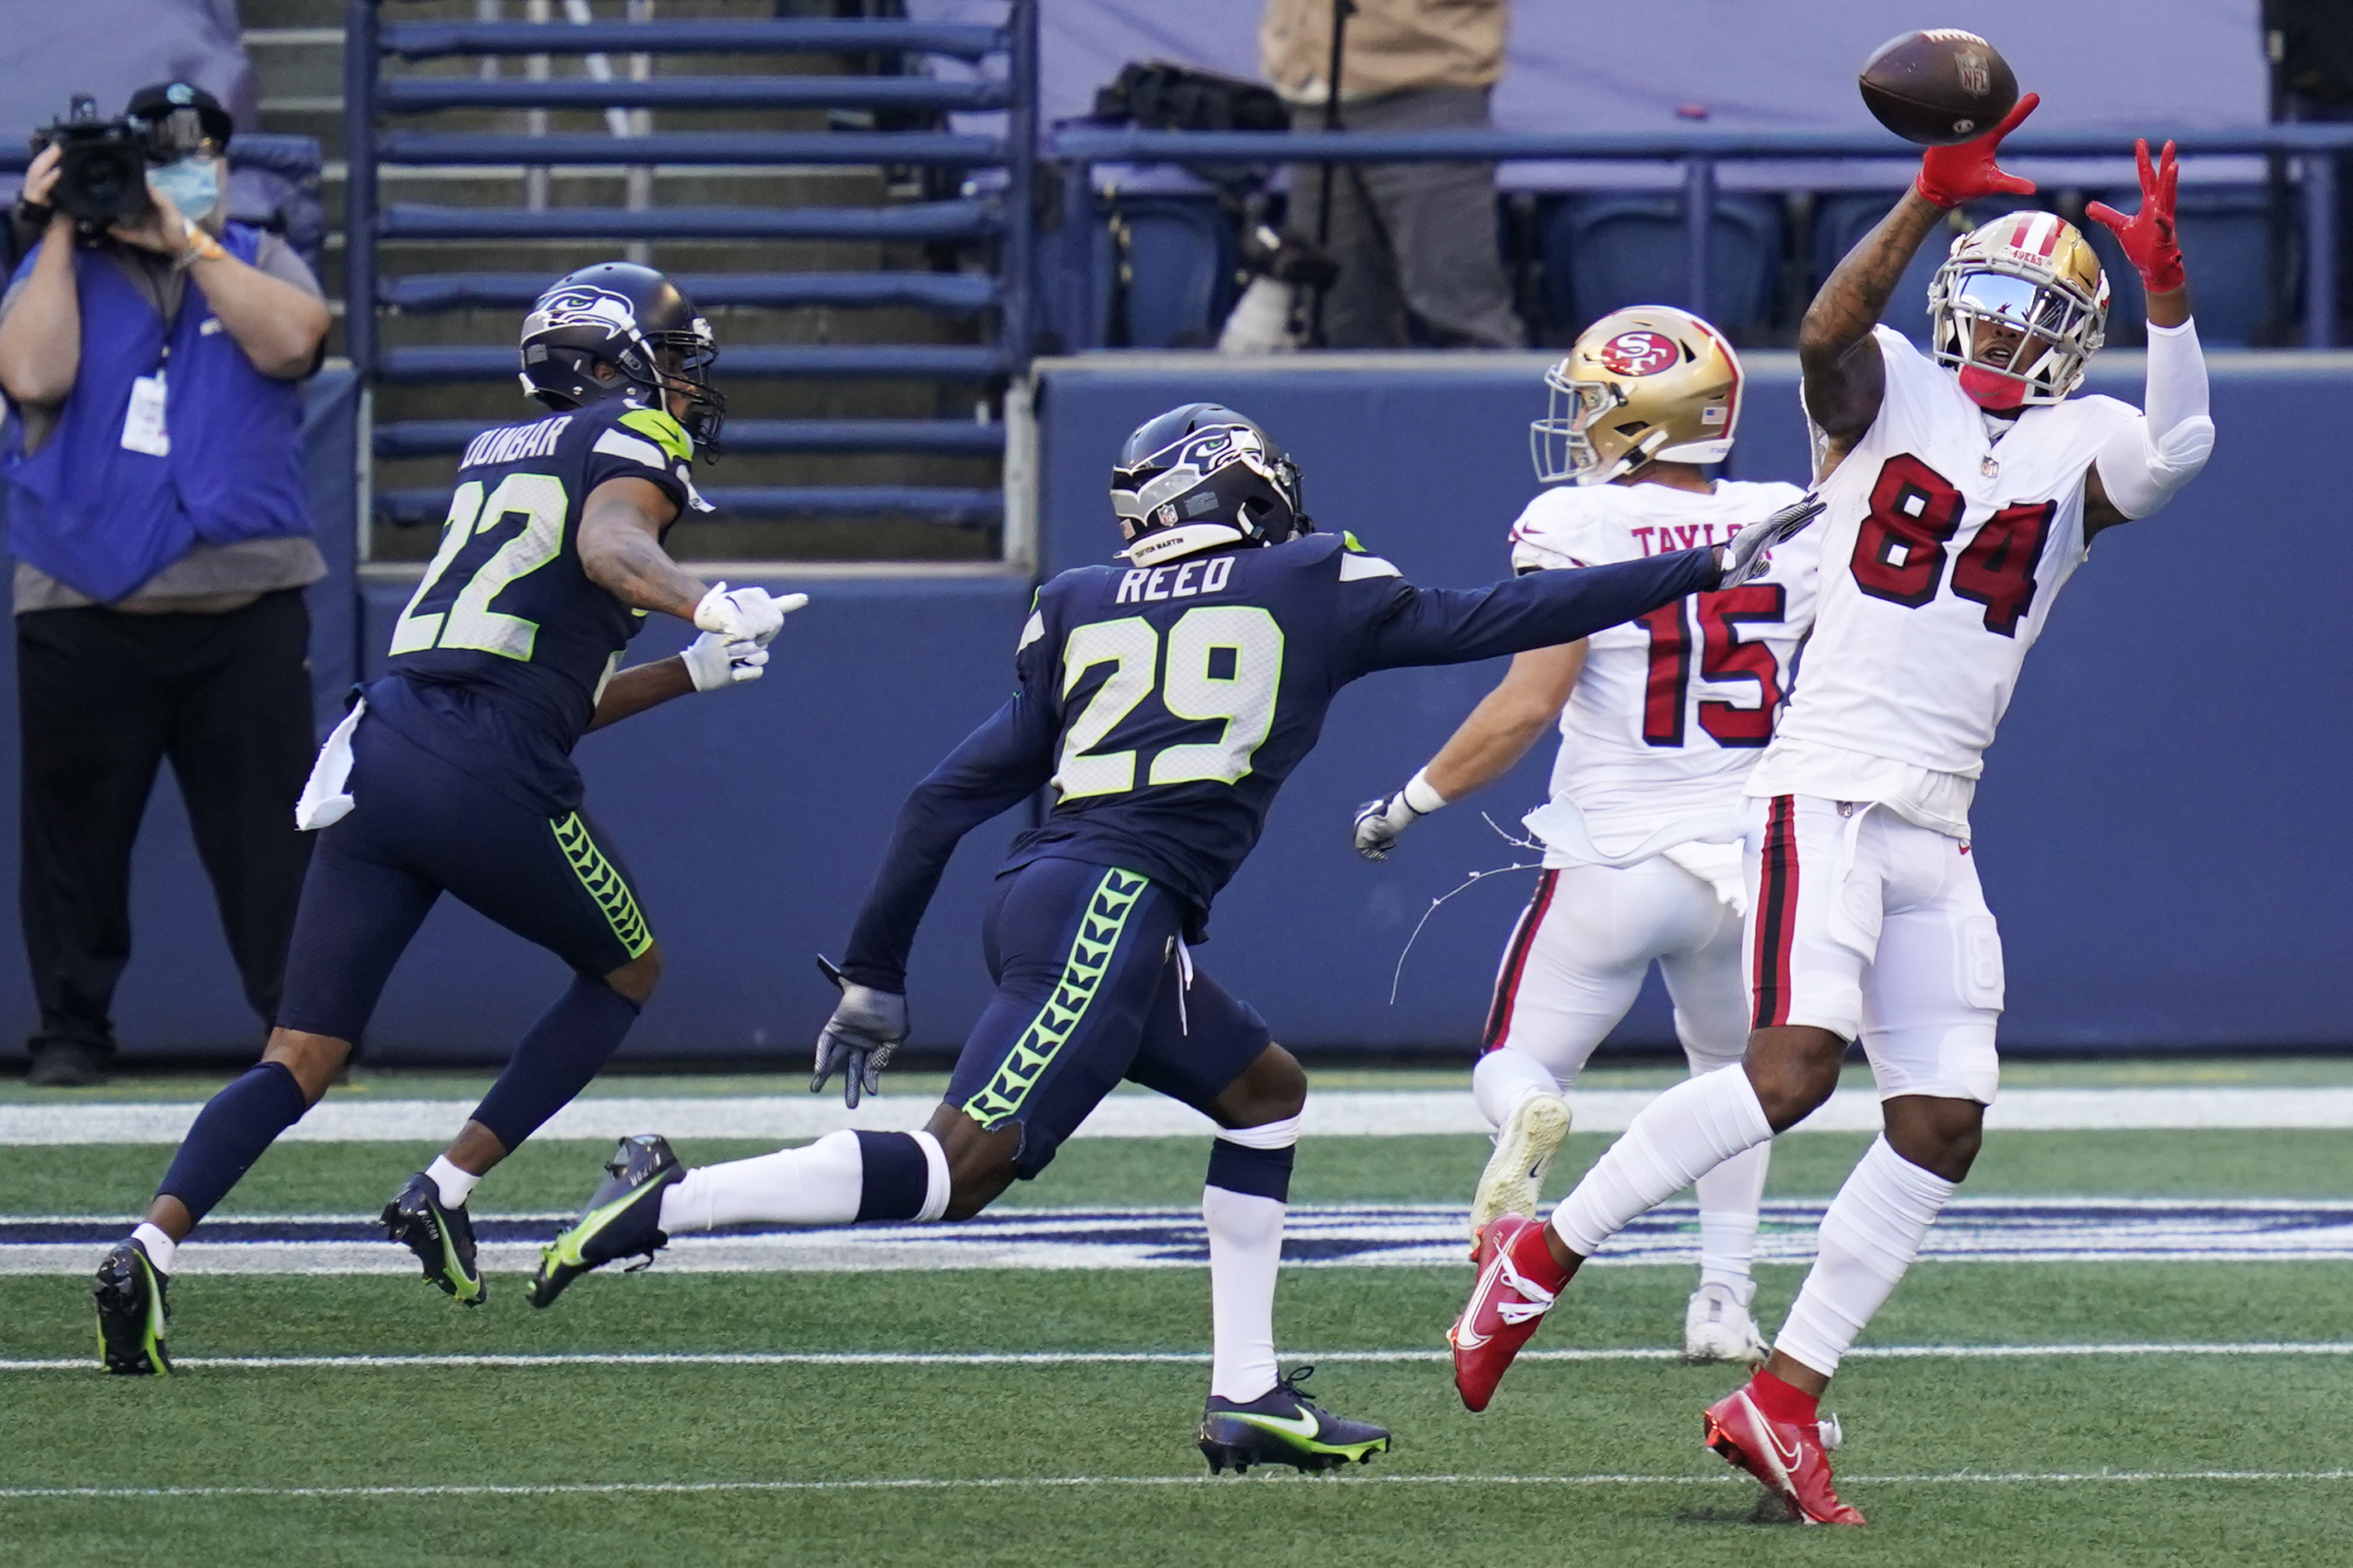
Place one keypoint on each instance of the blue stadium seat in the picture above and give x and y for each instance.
(1603, 252)
(2224, 232)
(1181, 256)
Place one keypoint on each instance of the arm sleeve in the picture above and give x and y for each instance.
(1003, 762)
(1457, 625)
(2148, 459)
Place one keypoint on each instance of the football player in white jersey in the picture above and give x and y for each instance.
(1660, 721)
(1963, 488)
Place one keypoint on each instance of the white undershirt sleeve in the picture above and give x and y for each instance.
(2143, 464)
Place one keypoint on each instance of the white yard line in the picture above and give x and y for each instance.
(1342, 1113)
(1162, 1357)
(1028, 1483)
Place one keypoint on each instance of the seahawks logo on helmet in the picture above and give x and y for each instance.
(583, 307)
(1200, 476)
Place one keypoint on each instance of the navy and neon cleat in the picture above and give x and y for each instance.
(623, 1218)
(1281, 1427)
(441, 1236)
(132, 1311)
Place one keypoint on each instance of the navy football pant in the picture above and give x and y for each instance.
(422, 828)
(1089, 993)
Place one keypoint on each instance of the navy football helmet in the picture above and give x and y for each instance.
(635, 322)
(1201, 477)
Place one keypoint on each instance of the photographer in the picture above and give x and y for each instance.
(153, 354)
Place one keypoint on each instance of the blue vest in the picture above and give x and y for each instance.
(103, 519)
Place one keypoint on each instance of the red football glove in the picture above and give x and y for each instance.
(2147, 236)
(1964, 171)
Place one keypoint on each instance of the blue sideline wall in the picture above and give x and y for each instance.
(2159, 824)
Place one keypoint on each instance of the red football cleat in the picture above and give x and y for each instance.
(1517, 1281)
(1788, 1457)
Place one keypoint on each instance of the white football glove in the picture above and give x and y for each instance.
(714, 663)
(1379, 822)
(745, 615)
(1745, 557)
(866, 1030)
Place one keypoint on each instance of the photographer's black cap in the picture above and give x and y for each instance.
(157, 102)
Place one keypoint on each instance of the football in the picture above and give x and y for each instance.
(1939, 87)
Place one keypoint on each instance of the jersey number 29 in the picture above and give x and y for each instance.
(1224, 663)
(470, 622)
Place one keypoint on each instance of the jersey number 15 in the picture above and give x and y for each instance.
(1224, 664)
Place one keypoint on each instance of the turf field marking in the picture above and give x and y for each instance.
(1969, 1229)
(1353, 1113)
(1165, 1358)
(1011, 1483)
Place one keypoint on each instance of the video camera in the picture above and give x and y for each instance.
(102, 165)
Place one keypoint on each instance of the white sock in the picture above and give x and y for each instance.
(455, 1185)
(1503, 1077)
(160, 1248)
(1870, 1236)
(817, 1183)
(1728, 1220)
(1245, 1255)
(1245, 1251)
(1671, 1143)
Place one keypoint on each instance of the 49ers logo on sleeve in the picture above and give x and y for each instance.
(1639, 354)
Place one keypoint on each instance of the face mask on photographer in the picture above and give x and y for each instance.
(193, 184)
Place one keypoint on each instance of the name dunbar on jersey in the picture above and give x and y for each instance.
(1671, 709)
(1166, 703)
(500, 655)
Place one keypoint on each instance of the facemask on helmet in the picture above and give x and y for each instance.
(2017, 309)
(1202, 477)
(1646, 384)
(617, 330)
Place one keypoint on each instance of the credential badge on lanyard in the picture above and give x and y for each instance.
(143, 422)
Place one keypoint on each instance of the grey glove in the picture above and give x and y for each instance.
(1378, 823)
(1745, 557)
(867, 1027)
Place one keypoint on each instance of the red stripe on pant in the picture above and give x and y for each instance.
(1515, 962)
(1777, 914)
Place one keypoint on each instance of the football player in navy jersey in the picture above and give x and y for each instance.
(454, 773)
(1165, 699)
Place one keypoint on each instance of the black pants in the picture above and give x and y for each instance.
(102, 698)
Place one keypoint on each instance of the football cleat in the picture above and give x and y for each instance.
(441, 1236)
(1282, 1427)
(1791, 1458)
(1717, 1326)
(1505, 1306)
(132, 1311)
(623, 1218)
(1512, 1182)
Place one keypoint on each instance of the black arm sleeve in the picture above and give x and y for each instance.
(1004, 762)
(1543, 609)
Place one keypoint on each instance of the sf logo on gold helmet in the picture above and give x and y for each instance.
(1639, 354)
(1647, 384)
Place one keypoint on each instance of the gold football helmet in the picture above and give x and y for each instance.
(1646, 383)
(2032, 273)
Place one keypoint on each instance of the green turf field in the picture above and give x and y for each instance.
(2100, 1457)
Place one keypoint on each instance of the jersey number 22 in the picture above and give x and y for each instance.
(470, 622)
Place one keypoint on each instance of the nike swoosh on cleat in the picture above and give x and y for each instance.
(1302, 1425)
(1465, 1337)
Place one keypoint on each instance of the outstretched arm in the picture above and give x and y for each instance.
(1543, 609)
(1004, 762)
(1844, 376)
(621, 550)
(2142, 465)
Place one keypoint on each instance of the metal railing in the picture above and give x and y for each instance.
(1700, 149)
(1001, 297)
